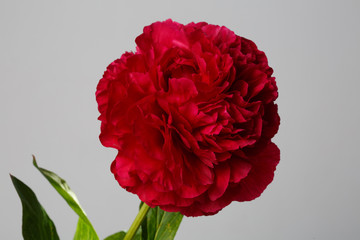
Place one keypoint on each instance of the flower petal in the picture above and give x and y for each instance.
(222, 177)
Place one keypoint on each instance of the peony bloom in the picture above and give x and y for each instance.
(192, 115)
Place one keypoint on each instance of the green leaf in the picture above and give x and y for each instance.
(150, 225)
(64, 190)
(121, 235)
(84, 231)
(116, 236)
(160, 225)
(169, 224)
(36, 224)
(159, 216)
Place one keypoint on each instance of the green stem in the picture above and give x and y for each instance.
(138, 220)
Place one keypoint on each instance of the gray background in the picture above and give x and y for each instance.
(52, 54)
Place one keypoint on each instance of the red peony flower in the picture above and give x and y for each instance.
(192, 115)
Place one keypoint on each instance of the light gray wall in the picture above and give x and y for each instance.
(52, 54)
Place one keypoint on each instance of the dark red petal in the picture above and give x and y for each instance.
(239, 169)
(222, 176)
(122, 167)
(271, 121)
(263, 163)
(181, 90)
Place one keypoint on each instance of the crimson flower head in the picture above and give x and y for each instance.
(192, 114)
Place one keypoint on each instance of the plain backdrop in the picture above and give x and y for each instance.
(53, 53)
